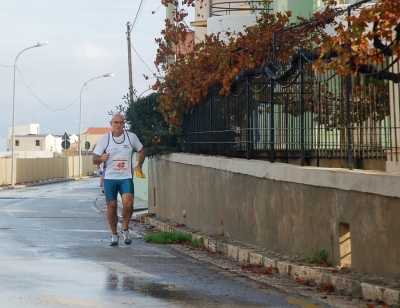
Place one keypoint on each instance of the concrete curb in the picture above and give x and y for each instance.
(44, 182)
(258, 256)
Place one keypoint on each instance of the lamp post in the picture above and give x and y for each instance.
(80, 120)
(41, 43)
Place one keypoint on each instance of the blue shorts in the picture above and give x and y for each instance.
(113, 187)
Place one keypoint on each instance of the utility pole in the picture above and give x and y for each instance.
(128, 37)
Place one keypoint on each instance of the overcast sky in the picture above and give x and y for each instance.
(87, 38)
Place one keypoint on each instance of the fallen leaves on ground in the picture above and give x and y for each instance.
(302, 281)
(143, 216)
(258, 269)
(177, 225)
(326, 287)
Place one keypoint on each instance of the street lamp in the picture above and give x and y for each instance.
(80, 120)
(41, 43)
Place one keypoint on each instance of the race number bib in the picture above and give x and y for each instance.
(120, 164)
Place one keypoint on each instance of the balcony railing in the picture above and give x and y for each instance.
(239, 7)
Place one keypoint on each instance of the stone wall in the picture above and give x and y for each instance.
(354, 215)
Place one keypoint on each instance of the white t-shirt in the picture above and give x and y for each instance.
(119, 164)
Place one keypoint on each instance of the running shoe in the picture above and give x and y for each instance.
(114, 240)
(126, 236)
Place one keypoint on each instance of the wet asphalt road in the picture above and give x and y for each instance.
(54, 253)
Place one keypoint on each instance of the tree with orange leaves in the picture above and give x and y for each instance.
(188, 79)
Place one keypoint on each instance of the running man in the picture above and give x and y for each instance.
(115, 149)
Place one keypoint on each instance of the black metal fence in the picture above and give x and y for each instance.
(305, 115)
(309, 116)
(239, 7)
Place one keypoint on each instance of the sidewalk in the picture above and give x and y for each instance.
(347, 281)
(356, 284)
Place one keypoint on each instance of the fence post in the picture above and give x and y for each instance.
(272, 123)
(184, 132)
(272, 114)
(211, 127)
(227, 129)
(302, 128)
(248, 135)
(197, 128)
(348, 128)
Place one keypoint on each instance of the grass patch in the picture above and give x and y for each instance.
(168, 238)
(197, 242)
(396, 305)
(318, 256)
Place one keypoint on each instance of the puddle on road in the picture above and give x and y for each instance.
(77, 283)
(128, 280)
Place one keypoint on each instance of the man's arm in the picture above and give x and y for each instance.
(97, 159)
(142, 155)
(141, 158)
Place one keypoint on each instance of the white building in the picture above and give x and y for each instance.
(233, 16)
(25, 129)
(30, 143)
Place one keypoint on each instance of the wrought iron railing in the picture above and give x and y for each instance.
(287, 112)
(239, 7)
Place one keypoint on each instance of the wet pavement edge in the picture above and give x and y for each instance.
(358, 285)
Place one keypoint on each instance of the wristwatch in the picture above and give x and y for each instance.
(140, 163)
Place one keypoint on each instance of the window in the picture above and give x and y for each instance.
(16, 143)
(37, 143)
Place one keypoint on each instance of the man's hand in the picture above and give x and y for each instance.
(97, 159)
(139, 172)
(105, 157)
(138, 168)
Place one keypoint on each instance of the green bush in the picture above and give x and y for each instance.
(146, 121)
(318, 256)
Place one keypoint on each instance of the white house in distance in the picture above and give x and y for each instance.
(29, 143)
(92, 135)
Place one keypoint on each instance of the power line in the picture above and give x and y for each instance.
(141, 59)
(157, 9)
(184, 21)
(51, 109)
(104, 94)
(44, 104)
(139, 11)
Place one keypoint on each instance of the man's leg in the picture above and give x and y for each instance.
(112, 215)
(127, 192)
(111, 191)
(127, 210)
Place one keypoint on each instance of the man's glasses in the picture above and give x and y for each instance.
(119, 122)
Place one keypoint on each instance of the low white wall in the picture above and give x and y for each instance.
(286, 208)
(40, 169)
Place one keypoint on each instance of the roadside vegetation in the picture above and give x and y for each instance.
(318, 257)
(173, 238)
(222, 57)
